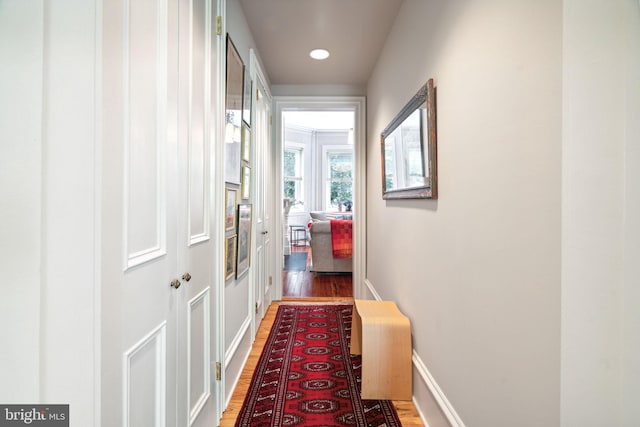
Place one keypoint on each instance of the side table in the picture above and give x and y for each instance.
(294, 235)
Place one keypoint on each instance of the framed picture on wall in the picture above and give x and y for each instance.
(247, 100)
(244, 239)
(246, 182)
(246, 143)
(230, 209)
(230, 245)
(233, 113)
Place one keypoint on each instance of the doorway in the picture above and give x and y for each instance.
(319, 171)
(318, 159)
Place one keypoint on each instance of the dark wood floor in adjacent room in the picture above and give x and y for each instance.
(307, 284)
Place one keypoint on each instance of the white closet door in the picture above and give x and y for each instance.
(141, 287)
(264, 201)
(196, 372)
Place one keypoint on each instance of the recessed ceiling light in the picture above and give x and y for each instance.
(319, 54)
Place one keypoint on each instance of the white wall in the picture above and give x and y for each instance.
(21, 39)
(238, 294)
(631, 291)
(70, 265)
(477, 271)
(600, 236)
(314, 142)
(48, 149)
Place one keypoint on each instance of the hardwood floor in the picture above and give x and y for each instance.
(307, 284)
(406, 410)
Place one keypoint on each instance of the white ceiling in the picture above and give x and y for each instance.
(353, 31)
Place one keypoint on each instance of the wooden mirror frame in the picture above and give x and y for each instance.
(425, 99)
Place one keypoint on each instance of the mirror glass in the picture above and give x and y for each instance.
(408, 150)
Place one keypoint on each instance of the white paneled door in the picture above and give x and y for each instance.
(156, 215)
(263, 285)
(195, 241)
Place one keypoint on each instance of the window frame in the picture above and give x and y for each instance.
(327, 150)
(299, 179)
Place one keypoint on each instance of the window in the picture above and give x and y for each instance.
(339, 185)
(293, 173)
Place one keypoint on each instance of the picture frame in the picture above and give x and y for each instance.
(245, 190)
(247, 100)
(230, 249)
(230, 202)
(409, 149)
(233, 113)
(244, 239)
(246, 143)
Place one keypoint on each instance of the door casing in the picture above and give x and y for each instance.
(357, 104)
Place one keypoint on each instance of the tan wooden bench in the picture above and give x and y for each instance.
(382, 334)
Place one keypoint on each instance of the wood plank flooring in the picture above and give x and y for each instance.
(307, 284)
(406, 410)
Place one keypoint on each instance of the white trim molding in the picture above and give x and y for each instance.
(157, 341)
(158, 248)
(231, 353)
(436, 392)
(218, 192)
(193, 142)
(202, 300)
(233, 346)
(369, 287)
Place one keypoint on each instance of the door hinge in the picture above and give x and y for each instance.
(270, 120)
(257, 95)
(219, 25)
(270, 280)
(218, 371)
(256, 308)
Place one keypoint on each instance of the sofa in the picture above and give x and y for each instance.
(322, 260)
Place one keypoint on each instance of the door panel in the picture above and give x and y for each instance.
(199, 354)
(145, 380)
(144, 97)
(200, 45)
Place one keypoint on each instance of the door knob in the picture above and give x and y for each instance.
(175, 283)
(186, 277)
(265, 232)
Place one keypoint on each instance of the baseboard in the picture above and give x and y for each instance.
(372, 290)
(233, 347)
(439, 402)
(421, 414)
(230, 354)
(436, 393)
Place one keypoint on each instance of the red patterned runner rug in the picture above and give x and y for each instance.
(306, 376)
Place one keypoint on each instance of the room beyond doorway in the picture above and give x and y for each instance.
(318, 174)
(321, 166)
